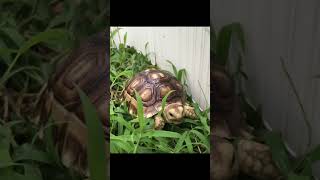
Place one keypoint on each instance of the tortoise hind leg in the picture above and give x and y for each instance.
(188, 111)
(159, 122)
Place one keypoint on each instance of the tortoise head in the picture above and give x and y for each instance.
(173, 113)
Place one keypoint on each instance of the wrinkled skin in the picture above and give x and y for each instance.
(230, 157)
(174, 113)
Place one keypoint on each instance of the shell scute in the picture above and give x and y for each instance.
(152, 85)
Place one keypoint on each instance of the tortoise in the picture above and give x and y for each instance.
(86, 67)
(229, 158)
(152, 85)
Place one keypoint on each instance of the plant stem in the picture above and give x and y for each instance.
(136, 146)
(308, 124)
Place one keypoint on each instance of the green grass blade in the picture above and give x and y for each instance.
(13, 34)
(223, 44)
(164, 101)
(122, 137)
(204, 122)
(47, 36)
(146, 47)
(5, 136)
(238, 31)
(278, 150)
(96, 142)
(203, 139)
(125, 146)
(304, 113)
(29, 152)
(114, 32)
(180, 142)
(123, 122)
(189, 144)
(173, 68)
(50, 145)
(181, 73)
(125, 39)
(162, 133)
(140, 112)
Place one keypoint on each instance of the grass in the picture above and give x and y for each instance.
(130, 134)
(96, 144)
(34, 36)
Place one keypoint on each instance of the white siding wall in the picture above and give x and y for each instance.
(186, 47)
(274, 28)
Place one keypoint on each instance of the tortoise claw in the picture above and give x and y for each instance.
(189, 112)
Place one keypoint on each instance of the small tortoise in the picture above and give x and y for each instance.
(228, 157)
(86, 67)
(153, 85)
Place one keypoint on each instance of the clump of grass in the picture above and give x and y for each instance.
(131, 134)
(34, 36)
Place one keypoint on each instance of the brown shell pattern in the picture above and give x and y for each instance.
(87, 67)
(152, 85)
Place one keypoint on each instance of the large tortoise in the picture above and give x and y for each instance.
(86, 67)
(229, 157)
(153, 85)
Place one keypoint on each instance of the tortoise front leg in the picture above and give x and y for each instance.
(255, 160)
(223, 161)
(188, 111)
(159, 122)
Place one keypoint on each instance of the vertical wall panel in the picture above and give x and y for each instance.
(274, 29)
(186, 47)
(316, 82)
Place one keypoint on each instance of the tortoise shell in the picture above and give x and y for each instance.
(153, 85)
(223, 89)
(86, 67)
